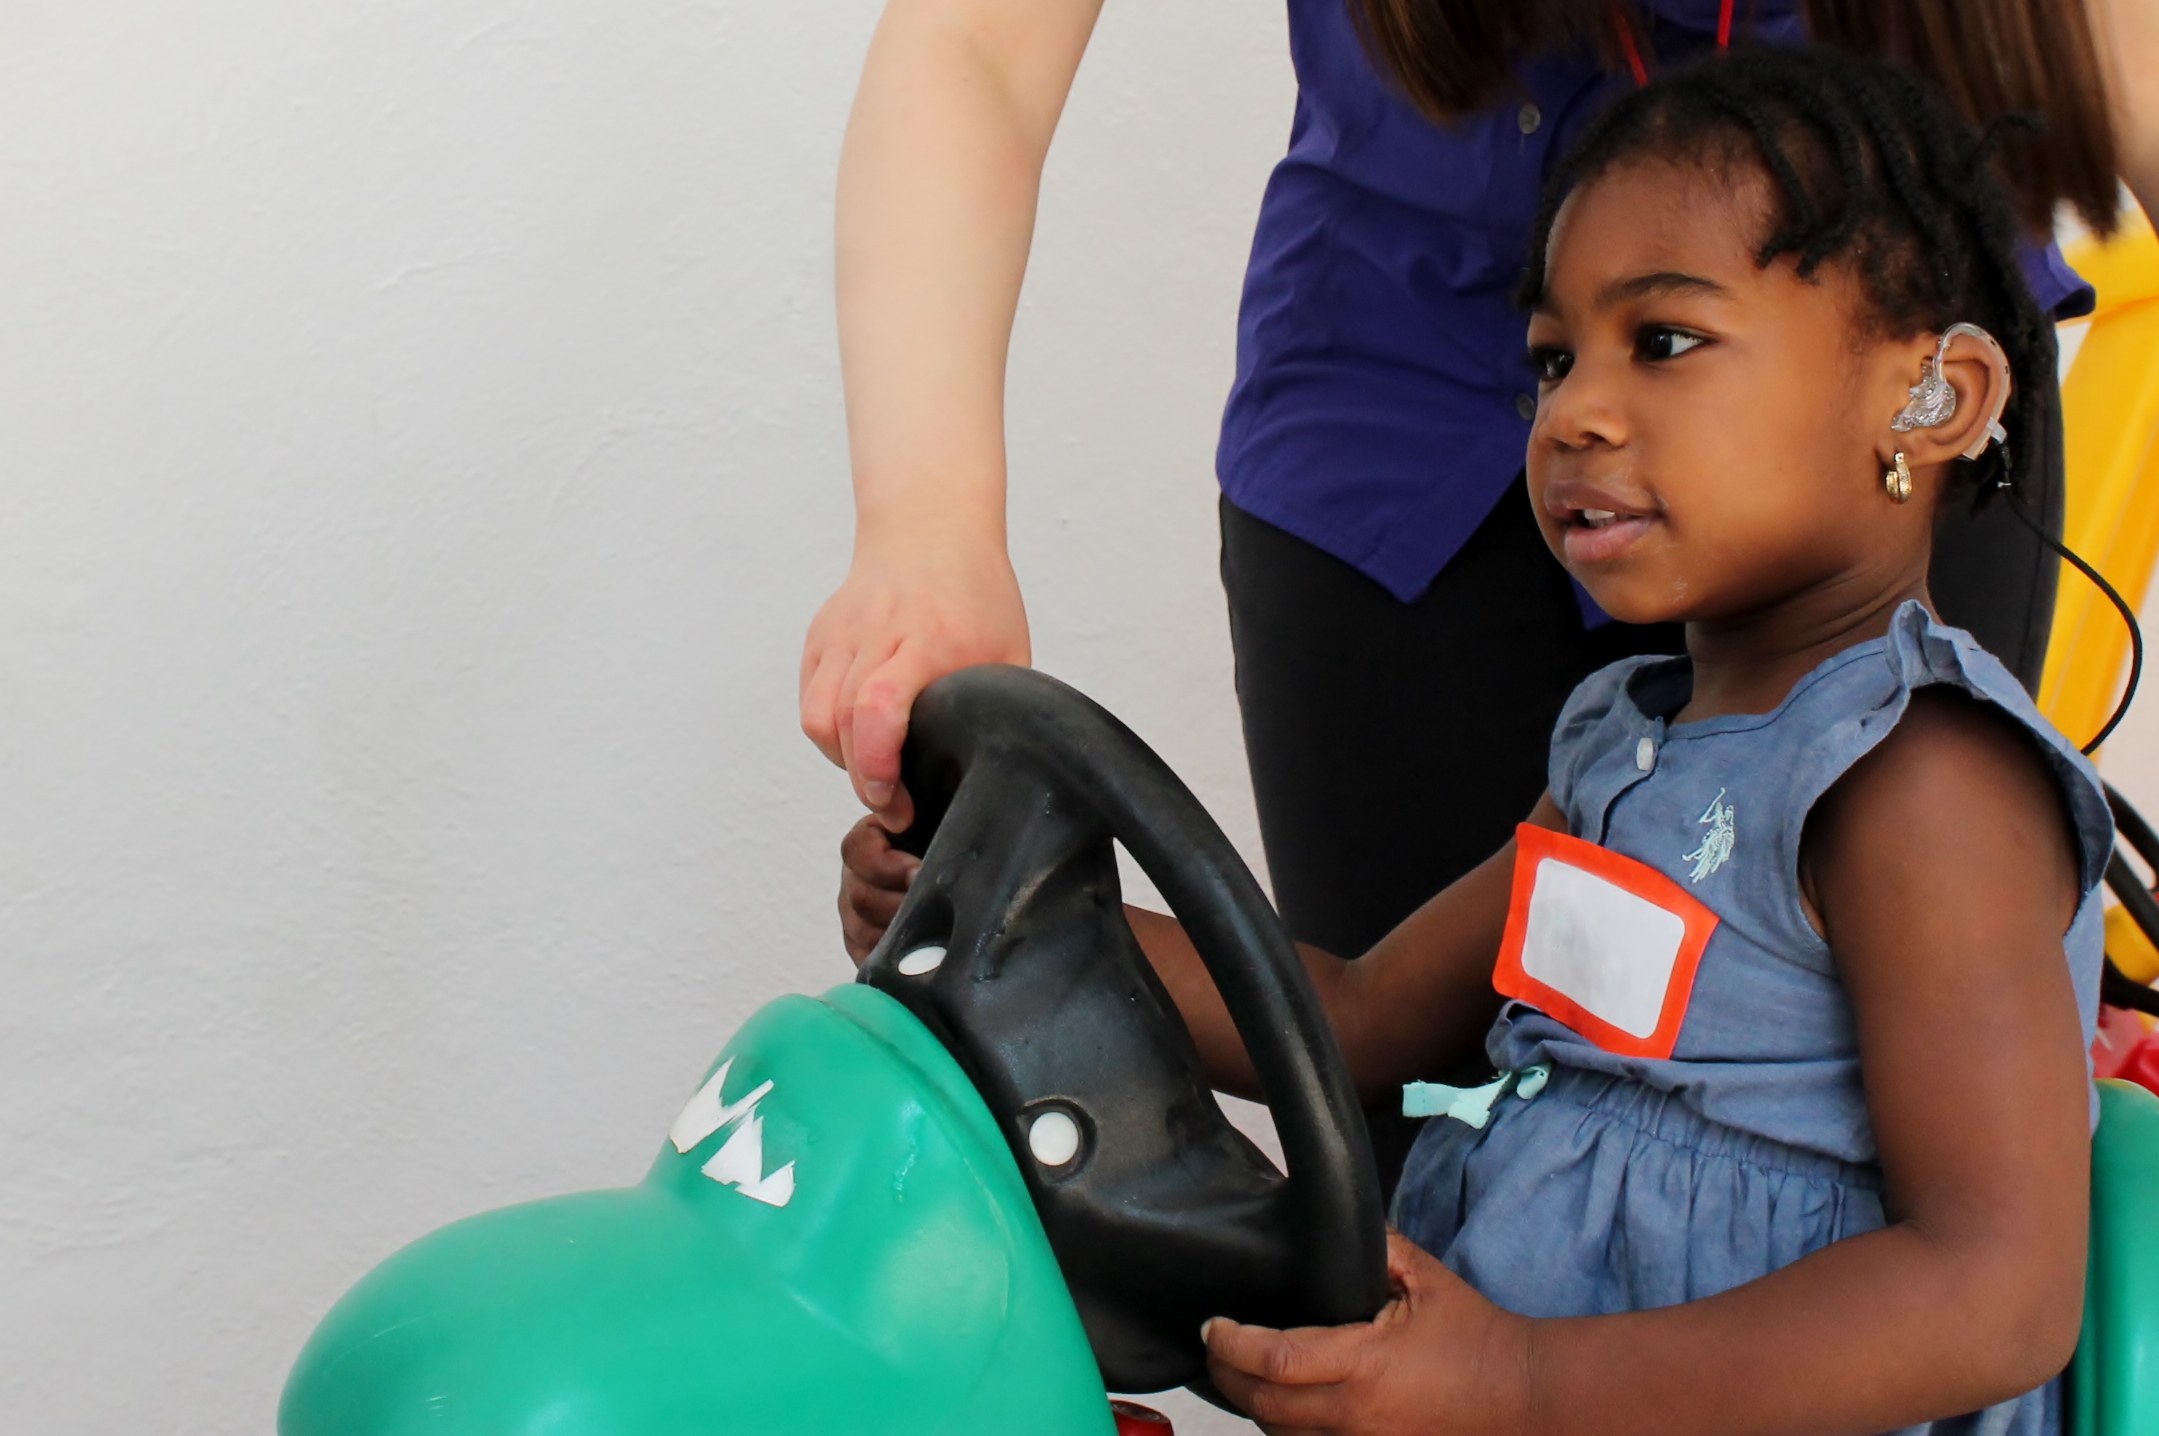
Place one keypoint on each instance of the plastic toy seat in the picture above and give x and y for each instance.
(2114, 1382)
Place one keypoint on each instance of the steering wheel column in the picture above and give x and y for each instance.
(1013, 949)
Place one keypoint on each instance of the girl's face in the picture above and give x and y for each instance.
(1710, 434)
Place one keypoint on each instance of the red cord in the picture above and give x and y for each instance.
(1634, 54)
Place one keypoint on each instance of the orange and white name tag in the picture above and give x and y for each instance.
(1603, 943)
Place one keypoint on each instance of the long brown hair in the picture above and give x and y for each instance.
(1993, 58)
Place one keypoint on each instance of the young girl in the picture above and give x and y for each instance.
(1790, 975)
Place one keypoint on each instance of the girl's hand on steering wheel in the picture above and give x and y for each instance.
(1439, 1358)
(874, 878)
(904, 617)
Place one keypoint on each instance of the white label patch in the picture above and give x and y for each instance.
(1597, 943)
(1602, 942)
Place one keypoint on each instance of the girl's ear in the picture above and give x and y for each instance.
(1955, 409)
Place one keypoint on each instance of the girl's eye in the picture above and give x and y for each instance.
(1551, 364)
(1661, 341)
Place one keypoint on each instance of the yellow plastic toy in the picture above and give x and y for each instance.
(2110, 412)
(2131, 950)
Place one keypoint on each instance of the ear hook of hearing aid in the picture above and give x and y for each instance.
(1931, 402)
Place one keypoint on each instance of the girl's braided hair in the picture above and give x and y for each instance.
(1869, 168)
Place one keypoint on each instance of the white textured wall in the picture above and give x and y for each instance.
(420, 441)
(420, 452)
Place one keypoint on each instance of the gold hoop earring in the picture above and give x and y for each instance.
(1897, 482)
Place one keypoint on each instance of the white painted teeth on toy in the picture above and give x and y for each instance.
(740, 1161)
(704, 1114)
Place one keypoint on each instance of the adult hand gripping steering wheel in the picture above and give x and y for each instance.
(1012, 947)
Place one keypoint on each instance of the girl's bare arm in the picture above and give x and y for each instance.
(1416, 1006)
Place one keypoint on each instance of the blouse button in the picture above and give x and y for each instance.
(1529, 119)
(1526, 405)
(1645, 755)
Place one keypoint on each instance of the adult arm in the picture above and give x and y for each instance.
(1943, 870)
(938, 179)
(2127, 33)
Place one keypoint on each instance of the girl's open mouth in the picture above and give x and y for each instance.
(1599, 535)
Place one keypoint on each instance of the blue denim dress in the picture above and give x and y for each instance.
(1634, 1182)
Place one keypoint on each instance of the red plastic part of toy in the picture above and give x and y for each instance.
(2125, 1049)
(1134, 1419)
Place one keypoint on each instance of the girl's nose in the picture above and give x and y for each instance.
(1581, 411)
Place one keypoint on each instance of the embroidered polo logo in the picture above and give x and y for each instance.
(1604, 943)
(1716, 848)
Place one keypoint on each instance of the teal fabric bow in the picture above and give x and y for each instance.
(1472, 1106)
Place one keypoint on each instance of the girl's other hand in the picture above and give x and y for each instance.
(892, 628)
(1439, 1358)
(874, 878)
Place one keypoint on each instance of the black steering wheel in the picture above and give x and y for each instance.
(1012, 947)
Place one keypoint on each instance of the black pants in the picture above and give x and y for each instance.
(1395, 745)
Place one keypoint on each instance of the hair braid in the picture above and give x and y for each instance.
(1868, 167)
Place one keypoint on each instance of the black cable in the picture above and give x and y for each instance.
(2130, 824)
(2134, 896)
(2116, 988)
(2136, 634)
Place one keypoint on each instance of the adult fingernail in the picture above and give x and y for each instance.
(877, 793)
(1207, 1326)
